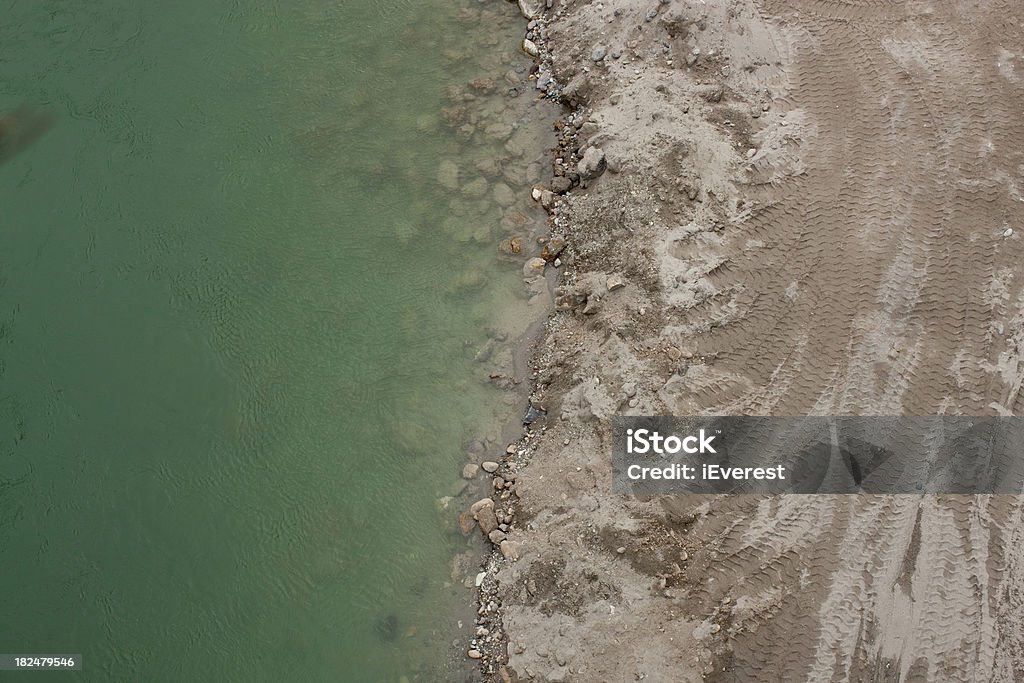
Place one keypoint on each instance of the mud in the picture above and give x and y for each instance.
(815, 208)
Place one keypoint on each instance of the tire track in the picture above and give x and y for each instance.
(872, 293)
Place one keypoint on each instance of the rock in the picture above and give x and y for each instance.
(480, 579)
(532, 415)
(483, 85)
(1008, 232)
(503, 195)
(490, 467)
(509, 550)
(558, 675)
(496, 536)
(536, 193)
(534, 267)
(466, 523)
(448, 174)
(470, 471)
(599, 53)
(528, 10)
(511, 246)
(560, 184)
(484, 515)
(712, 93)
(615, 282)
(530, 47)
(474, 654)
(592, 164)
(480, 504)
(553, 248)
(547, 199)
(475, 188)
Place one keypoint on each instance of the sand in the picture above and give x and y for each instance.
(814, 207)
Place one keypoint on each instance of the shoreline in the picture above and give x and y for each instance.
(692, 283)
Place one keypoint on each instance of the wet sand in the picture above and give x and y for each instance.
(772, 208)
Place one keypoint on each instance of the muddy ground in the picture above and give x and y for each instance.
(814, 207)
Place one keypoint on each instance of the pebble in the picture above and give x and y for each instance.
(470, 470)
(490, 467)
(599, 53)
(621, 550)
(530, 47)
(474, 654)
(497, 536)
(1008, 232)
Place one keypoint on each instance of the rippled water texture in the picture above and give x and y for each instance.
(242, 301)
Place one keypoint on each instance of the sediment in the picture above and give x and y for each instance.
(768, 207)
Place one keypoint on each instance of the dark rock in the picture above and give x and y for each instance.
(532, 415)
(560, 184)
(552, 249)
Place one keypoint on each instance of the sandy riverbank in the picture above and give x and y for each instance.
(801, 207)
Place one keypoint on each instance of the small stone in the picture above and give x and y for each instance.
(530, 47)
(1008, 232)
(470, 470)
(715, 628)
(490, 467)
(511, 449)
(527, 9)
(474, 654)
(615, 282)
(497, 536)
(621, 550)
(751, 153)
(536, 193)
(599, 53)
(480, 579)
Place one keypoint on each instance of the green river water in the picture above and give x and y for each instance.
(238, 316)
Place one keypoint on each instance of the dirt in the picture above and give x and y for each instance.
(815, 208)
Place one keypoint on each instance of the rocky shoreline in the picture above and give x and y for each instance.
(734, 220)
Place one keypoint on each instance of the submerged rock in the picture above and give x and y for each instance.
(387, 628)
(534, 267)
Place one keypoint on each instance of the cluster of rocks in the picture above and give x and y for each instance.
(494, 516)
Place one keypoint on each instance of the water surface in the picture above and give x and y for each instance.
(239, 316)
